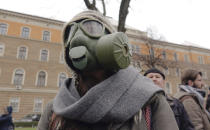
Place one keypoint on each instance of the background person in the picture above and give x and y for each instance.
(105, 93)
(6, 119)
(193, 100)
(180, 114)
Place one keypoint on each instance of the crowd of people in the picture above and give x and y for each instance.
(107, 93)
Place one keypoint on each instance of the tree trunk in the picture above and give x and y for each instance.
(122, 15)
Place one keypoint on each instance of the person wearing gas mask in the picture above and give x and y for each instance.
(105, 92)
(192, 100)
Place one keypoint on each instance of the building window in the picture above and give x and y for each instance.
(177, 88)
(46, 35)
(175, 57)
(14, 102)
(44, 55)
(204, 75)
(177, 72)
(41, 80)
(164, 55)
(22, 52)
(18, 77)
(200, 59)
(151, 50)
(38, 105)
(25, 32)
(135, 49)
(61, 57)
(1, 49)
(3, 28)
(62, 78)
(168, 89)
(186, 58)
(166, 71)
(137, 65)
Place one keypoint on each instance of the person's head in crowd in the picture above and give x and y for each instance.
(156, 76)
(192, 78)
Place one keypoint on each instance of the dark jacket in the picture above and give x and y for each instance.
(181, 115)
(6, 122)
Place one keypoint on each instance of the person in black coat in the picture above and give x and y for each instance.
(6, 119)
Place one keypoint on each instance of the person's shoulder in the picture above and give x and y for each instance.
(182, 94)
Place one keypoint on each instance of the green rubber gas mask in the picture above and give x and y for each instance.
(88, 46)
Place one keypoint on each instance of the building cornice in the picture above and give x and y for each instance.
(3, 89)
(32, 17)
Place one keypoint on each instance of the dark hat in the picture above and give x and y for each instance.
(154, 70)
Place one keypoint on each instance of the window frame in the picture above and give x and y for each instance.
(3, 50)
(7, 26)
(58, 81)
(170, 88)
(18, 107)
(37, 78)
(61, 59)
(46, 37)
(48, 53)
(13, 77)
(42, 102)
(26, 53)
(29, 31)
(200, 60)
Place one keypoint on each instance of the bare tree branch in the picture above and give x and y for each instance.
(91, 6)
(123, 12)
(104, 7)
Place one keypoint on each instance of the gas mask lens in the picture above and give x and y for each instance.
(91, 28)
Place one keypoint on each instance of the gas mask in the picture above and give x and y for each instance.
(89, 45)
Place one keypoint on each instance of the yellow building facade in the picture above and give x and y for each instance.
(32, 67)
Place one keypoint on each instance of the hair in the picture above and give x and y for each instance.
(190, 75)
(154, 70)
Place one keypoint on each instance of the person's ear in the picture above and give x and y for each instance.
(190, 82)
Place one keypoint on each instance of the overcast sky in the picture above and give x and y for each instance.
(179, 21)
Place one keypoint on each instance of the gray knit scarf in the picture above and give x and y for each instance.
(115, 99)
(192, 90)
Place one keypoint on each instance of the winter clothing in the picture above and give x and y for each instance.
(6, 120)
(180, 114)
(115, 102)
(194, 107)
(154, 70)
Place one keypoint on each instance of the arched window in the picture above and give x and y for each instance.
(18, 77)
(41, 79)
(44, 55)
(62, 78)
(22, 53)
